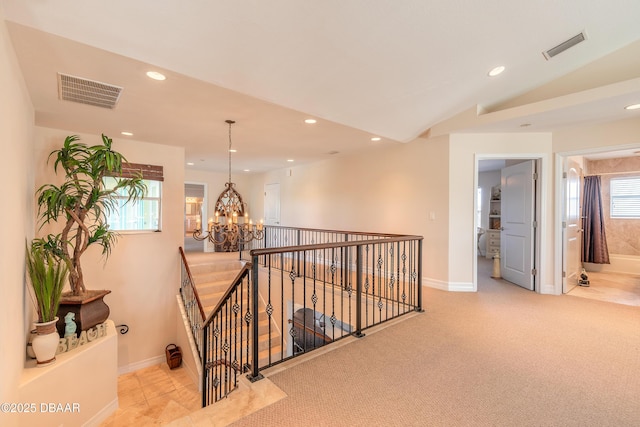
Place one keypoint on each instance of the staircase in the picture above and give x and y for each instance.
(213, 274)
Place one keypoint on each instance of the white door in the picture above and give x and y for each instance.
(272, 204)
(517, 216)
(572, 226)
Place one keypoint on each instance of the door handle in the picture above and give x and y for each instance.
(501, 228)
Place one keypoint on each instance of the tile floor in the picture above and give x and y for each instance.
(618, 288)
(154, 396)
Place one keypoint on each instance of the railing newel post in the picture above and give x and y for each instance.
(358, 332)
(420, 308)
(255, 369)
(298, 234)
(203, 359)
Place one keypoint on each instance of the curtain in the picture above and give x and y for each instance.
(594, 244)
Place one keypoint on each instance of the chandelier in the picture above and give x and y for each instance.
(229, 234)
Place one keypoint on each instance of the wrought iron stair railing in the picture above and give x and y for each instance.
(227, 339)
(191, 301)
(292, 299)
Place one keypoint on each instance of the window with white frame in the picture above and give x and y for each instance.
(625, 197)
(145, 214)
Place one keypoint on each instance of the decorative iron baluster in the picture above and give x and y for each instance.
(386, 277)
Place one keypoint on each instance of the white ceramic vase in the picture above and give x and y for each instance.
(45, 343)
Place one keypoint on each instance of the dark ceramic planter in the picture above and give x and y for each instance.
(89, 309)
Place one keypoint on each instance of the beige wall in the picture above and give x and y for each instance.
(16, 223)
(465, 151)
(585, 138)
(391, 190)
(143, 271)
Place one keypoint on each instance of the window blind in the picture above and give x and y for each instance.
(625, 197)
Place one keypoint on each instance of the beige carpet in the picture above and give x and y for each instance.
(502, 356)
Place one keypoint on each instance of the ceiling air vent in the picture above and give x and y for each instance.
(88, 92)
(578, 38)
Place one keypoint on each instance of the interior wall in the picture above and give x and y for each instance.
(590, 138)
(17, 173)
(465, 150)
(143, 270)
(397, 189)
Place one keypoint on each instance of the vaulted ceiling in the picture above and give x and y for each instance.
(362, 68)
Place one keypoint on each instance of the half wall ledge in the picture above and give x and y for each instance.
(79, 389)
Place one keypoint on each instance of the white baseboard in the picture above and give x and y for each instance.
(448, 286)
(98, 418)
(141, 364)
(549, 289)
(190, 360)
(461, 287)
(436, 284)
(194, 376)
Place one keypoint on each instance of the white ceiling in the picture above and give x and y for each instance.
(363, 68)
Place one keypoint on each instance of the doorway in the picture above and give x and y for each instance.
(507, 207)
(194, 215)
(272, 204)
(616, 282)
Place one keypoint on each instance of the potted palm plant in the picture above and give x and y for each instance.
(80, 205)
(47, 275)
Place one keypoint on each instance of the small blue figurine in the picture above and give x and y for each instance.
(69, 324)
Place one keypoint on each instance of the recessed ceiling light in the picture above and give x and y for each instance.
(156, 75)
(190, 163)
(247, 170)
(233, 150)
(289, 160)
(632, 107)
(310, 121)
(376, 138)
(126, 133)
(496, 71)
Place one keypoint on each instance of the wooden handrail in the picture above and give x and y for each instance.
(234, 284)
(192, 283)
(226, 363)
(357, 233)
(313, 331)
(316, 246)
